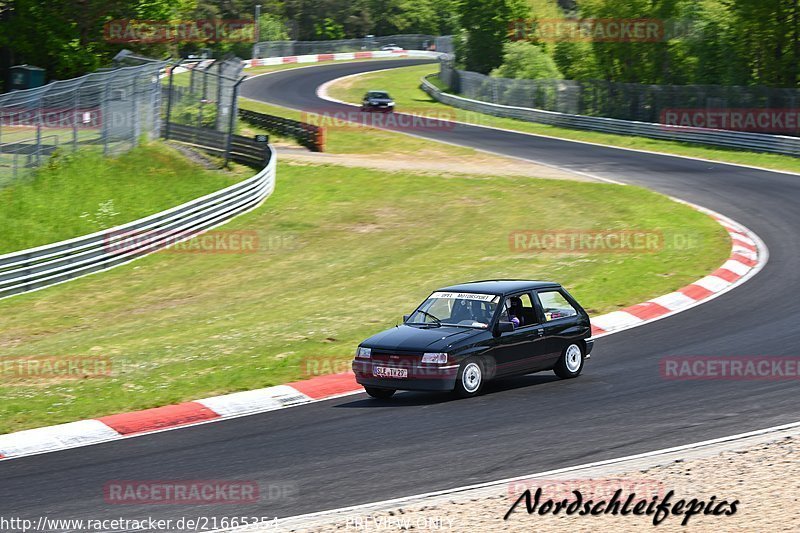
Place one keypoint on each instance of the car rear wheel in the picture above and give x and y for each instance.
(381, 394)
(470, 378)
(570, 363)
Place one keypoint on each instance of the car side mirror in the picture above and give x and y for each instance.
(405, 318)
(503, 327)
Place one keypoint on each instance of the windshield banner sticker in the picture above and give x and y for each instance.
(464, 296)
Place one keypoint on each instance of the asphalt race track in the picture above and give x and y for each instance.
(355, 450)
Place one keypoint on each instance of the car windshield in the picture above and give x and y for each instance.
(469, 310)
(376, 94)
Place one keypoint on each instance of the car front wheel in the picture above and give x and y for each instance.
(470, 378)
(381, 394)
(570, 363)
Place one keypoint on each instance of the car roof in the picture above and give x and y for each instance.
(500, 286)
(377, 91)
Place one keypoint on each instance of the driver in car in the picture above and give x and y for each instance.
(514, 309)
(480, 313)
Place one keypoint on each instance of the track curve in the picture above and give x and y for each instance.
(352, 450)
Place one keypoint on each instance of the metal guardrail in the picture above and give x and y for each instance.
(36, 268)
(625, 101)
(758, 142)
(308, 135)
(406, 41)
(241, 149)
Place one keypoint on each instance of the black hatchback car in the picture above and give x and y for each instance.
(464, 335)
(377, 101)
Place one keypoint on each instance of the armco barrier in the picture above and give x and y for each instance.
(36, 268)
(308, 135)
(242, 149)
(759, 142)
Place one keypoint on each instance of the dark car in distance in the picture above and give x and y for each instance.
(463, 335)
(377, 101)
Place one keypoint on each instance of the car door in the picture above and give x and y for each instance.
(523, 350)
(561, 322)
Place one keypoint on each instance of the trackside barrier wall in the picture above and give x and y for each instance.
(36, 268)
(241, 149)
(342, 56)
(308, 135)
(759, 142)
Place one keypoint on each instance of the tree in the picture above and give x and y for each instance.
(487, 23)
(526, 60)
(390, 17)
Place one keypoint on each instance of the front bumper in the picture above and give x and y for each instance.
(589, 346)
(427, 377)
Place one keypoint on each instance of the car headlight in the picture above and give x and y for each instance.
(434, 358)
(390, 102)
(364, 353)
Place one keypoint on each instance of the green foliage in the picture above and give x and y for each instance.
(487, 25)
(327, 29)
(433, 17)
(727, 42)
(272, 28)
(723, 42)
(525, 60)
(194, 114)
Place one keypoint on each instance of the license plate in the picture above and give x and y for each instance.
(388, 372)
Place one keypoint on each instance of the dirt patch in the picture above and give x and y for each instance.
(431, 162)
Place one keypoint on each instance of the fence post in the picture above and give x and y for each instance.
(106, 115)
(220, 82)
(39, 128)
(203, 98)
(137, 126)
(232, 118)
(169, 96)
(75, 116)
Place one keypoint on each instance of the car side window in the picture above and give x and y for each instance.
(519, 310)
(555, 305)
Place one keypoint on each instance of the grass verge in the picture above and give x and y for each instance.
(77, 194)
(403, 85)
(348, 138)
(343, 253)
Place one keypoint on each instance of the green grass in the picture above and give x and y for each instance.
(77, 194)
(344, 252)
(357, 139)
(403, 84)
